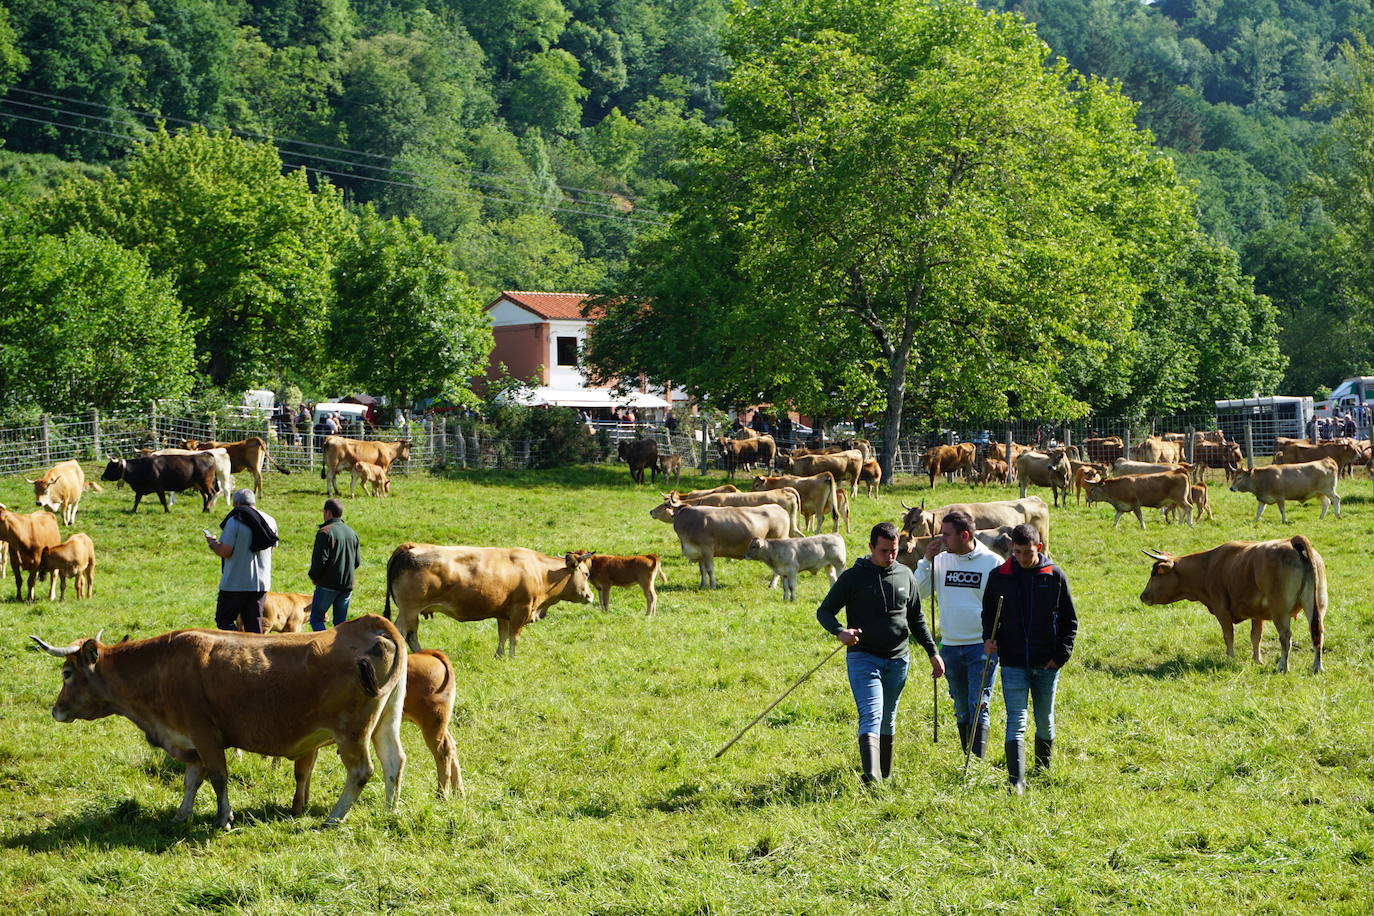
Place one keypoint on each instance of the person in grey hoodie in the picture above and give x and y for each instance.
(957, 566)
(882, 612)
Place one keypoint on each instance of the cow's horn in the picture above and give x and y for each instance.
(906, 507)
(53, 650)
(1155, 554)
(99, 633)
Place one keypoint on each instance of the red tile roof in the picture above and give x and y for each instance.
(563, 306)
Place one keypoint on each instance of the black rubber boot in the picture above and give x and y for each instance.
(1016, 767)
(963, 736)
(1043, 748)
(980, 740)
(868, 758)
(885, 755)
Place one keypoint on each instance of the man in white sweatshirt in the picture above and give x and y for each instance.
(958, 565)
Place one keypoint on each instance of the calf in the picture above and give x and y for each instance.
(373, 475)
(670, 465)
(27, 536)
(285, 612)
(788, 556)
(1281, 482)
(1082, 470)
(609, 571)
(870, 475)
(1201, 505)
(429, 704)
(994, 471)
(72, 559)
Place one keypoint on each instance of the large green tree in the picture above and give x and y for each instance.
(920, 173)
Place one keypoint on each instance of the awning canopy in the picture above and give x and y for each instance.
(585, 397)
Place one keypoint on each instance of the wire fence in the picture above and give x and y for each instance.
(455, 441)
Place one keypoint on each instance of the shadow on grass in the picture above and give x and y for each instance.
(790, 789)
(127, 824)
(1171, 668)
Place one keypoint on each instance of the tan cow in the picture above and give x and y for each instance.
(998, 450)
(245, 455)
(372, 475)
(1201, 504)
(694, 494)
(342, 454)
(27, 536)
(72, 559)
(1248, 580)
(843, 466)
(785, 497)
(670, 465)
(871, 475)
(512, 584)
(1344, 452)
(746, 432)
(1158, 450)
(1136, 491)
(195, 693)
(609, 571)
(1042, 469)
(1082, 470)
(1279, 483)
(707, 532)
(59, 489)
(818, 495)
(285, 612)
(429, 704)
(918, 522)
(995, 470)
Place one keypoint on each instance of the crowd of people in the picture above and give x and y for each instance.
(1341, 423)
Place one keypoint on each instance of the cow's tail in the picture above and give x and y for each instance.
(448, 669)
(385, 645)
(92, 485)
(268, 455)
(1314, 578)
(658, 569)
(400, 559)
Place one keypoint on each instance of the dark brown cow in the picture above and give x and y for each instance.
(27, 536)
(640, 455)
(1104, 449)
(608, 571)
(740, 453)
(1226, 456)
(948, 460)
(161, 474)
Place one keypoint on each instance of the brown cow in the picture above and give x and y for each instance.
(1224, 455)
(843, 466)
(871, 475)
(640, 455)
(194, 693)
(72, 559)
(514, 585)
(818, 495)
(693, 494)
(949, 460)
(737, 453)
(59, 490)
(1248, 580)
(1104, 449)
(1344, 452)
(342, 454)
(1081, 470)
(429, 704)
(609, 571)
(285, 612)
(1201, 504)
(1135, 491)
(27, 536)
(245, 455)
(994, 471)
(1279, 483)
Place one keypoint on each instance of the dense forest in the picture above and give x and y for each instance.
(540, 144)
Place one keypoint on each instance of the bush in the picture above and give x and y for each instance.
(557, 435)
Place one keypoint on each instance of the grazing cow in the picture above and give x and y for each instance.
(949, 460)
(910, 550)
(342, 454)
(738, 453)
(1003, 513)
(72, 559)
(1201, 504)
(787, 557)
(994, 471)
(843, 466)
(1136, 491)
(1045, 470)
(429, 704)
(609, 571)
(1224, 455)
(871, 475)
(163, 473)
(1082, 470)
(285, 612)
(371, 475)
(59, 490)
(640, 455)
(1104, 449)
(818, 495)
(1249, 580)
(514, 585)
(785, 497)
(224, 478)
(26, 537)
(245, 455)
(707, 532)
(194, 693)
(1344, 452)
(670, 466)
(1158, 450)
(1279, 483)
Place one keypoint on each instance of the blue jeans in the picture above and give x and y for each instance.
(1039, 684)
(963, 669)
(877, 685)
(324, 597)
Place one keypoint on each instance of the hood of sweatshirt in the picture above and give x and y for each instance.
(890, 570)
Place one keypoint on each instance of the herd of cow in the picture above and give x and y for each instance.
(352, 685)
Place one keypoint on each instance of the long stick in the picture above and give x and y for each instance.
(934, 684)
(982, 685)
(794, 686)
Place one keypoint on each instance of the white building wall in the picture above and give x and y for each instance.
(565, 376)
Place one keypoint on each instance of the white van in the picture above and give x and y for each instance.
(1351, 392)
(345, 411)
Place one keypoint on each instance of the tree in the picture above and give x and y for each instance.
(546, 93)
(918, 173)
(410, 325)
(87, 323)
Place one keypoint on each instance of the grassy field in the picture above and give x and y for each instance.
(1183, 781)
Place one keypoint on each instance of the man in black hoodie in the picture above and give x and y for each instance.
(1033, 640)
(882, 610)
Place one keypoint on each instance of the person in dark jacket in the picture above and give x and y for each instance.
(332, 564)
(1033, 640)
(882, 612)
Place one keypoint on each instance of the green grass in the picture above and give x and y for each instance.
(1183, 781)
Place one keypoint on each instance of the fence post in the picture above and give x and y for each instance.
(95, 433)
(1126, 441)
(524, 459)
(1068, 438)
(949, 437)
(1190, 446)
(1250, 446)
(443, 439)
(47, 444)
(701, 468)
(310, 448)
(214, 427)
(1011, 464)
(152, 423)
(460, 447)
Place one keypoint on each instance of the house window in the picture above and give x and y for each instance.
(567, 351)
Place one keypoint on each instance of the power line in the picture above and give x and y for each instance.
(277, 140)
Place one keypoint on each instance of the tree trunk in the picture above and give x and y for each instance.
(892, 417)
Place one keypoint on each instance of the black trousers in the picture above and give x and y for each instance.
(233, 607)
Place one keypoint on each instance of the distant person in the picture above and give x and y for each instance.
(332, 564)
(671, 422)
(245, 547)
(1033, 640)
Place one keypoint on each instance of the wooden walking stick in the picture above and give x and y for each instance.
(982, 685)
(934, 683)
(794, 686)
